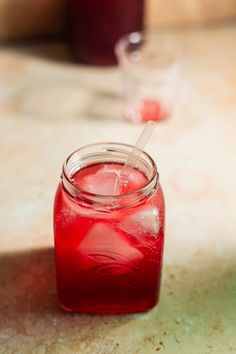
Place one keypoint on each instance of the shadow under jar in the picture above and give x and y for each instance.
(108, 249)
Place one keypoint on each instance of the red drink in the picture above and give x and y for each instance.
(108, 249)
(95, 26)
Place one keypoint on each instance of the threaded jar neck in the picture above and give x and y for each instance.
(103, 153)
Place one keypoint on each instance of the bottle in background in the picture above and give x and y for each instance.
(96, 25)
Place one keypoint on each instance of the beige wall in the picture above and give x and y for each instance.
(26, 18)
(165, 12)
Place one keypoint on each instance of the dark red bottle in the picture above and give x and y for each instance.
(96, 25)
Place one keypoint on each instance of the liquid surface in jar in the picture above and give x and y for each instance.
(101, 178)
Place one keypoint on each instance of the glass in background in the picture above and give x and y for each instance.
(151, 63)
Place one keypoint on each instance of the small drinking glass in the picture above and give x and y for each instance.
(151, 63)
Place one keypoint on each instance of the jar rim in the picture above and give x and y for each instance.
(74, 190)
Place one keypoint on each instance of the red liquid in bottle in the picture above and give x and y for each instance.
(108, 262)
(96, 25)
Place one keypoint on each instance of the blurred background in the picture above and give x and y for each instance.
(20, 19)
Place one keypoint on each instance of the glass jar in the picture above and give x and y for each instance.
(108, 249)
(95, 26)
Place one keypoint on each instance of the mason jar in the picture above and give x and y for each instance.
(108, 248)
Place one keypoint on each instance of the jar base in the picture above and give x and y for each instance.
(111, 309)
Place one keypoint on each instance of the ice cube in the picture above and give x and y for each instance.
(103, 245)
(112, 168)
(100, 183)
(139, 224)
(136, 179)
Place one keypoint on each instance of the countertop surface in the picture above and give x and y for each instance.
(48, 108)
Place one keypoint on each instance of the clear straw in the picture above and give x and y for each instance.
(123, 177)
